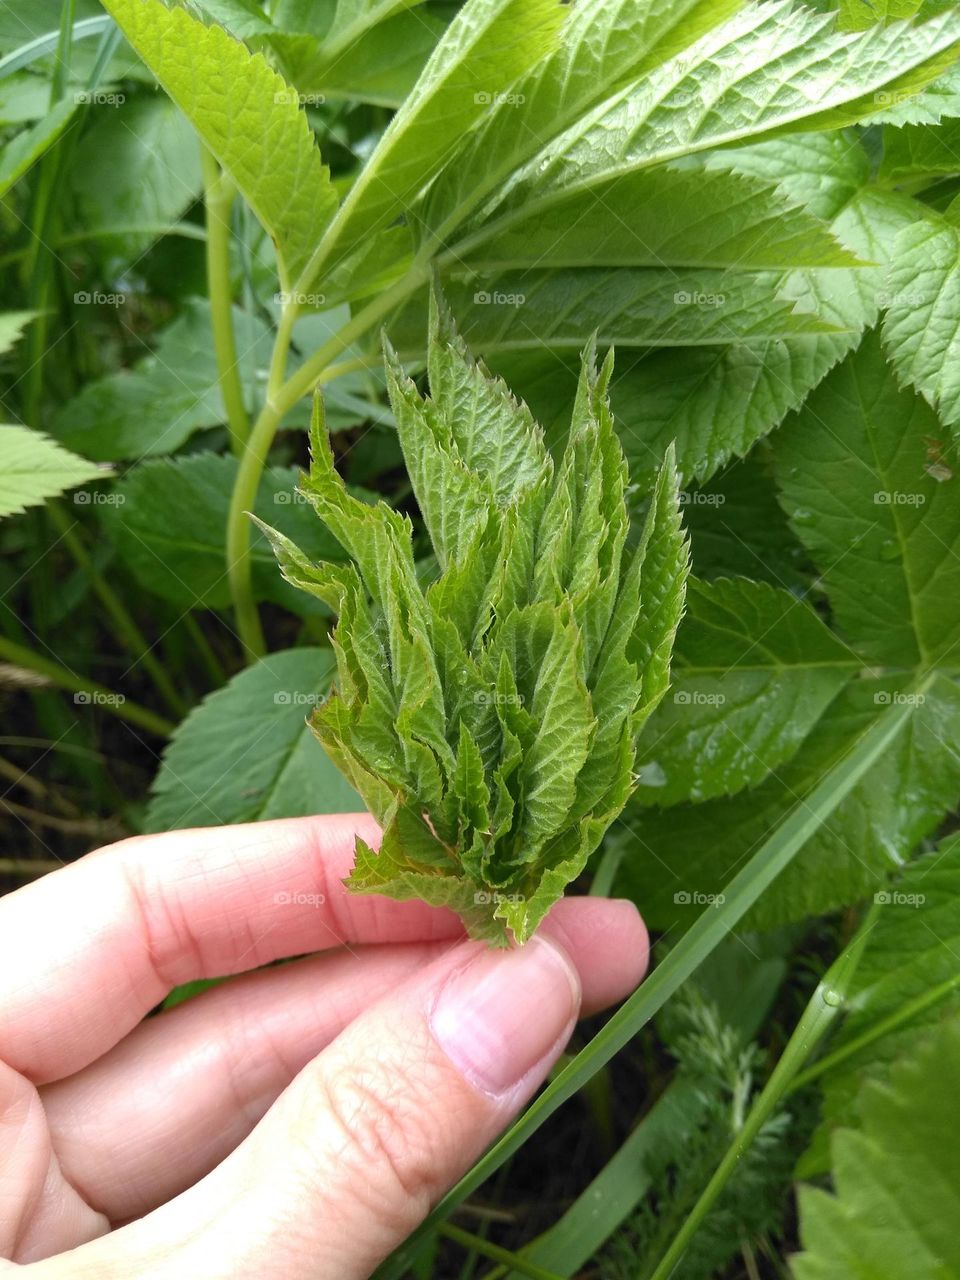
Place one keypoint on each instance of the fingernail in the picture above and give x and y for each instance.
(502, 1013)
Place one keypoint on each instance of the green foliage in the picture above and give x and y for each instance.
(896, 1176)
(245, 753)
(36, 468)
(757, 205)
(489, 720)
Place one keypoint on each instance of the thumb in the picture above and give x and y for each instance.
(350, 1158)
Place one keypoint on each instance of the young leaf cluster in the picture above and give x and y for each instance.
(489, 719)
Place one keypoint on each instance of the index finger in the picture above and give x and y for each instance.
(86, 952)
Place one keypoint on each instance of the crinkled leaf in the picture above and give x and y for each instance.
(754, 670)
(489, 720)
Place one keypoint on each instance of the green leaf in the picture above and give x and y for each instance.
(910, 957)
(12, 325)
(716, 402)
(667, 217)
(168, 519)
(30, 144)
(920, 149)
(770, 67)
(483, 51)
(137, 165)
(921, 330)
(36, 468)
(755, 668)
(489, 721)
(523, 310)
(856, 477)
(156, 406)
(896, 1179)
(246, 114)
(685, 854)
(246, 754)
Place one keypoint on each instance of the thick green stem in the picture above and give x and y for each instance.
(218, 197)
(826, 1005)
(133, 637)
(93, 693)
(319, 368)
(495, 1253)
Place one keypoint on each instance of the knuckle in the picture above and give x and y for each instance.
(385, 1141)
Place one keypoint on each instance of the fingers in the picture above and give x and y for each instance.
(372, 1131)
(175, 1097)
(169, 1102)
(87, 951)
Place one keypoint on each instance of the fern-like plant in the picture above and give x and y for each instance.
(489, 719)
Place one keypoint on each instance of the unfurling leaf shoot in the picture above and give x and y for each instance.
(489, 719)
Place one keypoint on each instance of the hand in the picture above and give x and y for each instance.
(292, 1123)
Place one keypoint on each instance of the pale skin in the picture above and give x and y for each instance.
(292, 1123)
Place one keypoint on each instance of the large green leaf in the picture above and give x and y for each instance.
(483, 51)
(770, 67)
(920, 150)
(245, 113)
(754, 670)
(683, 856)
(246, 753)
(855, 477)
(136, 170)
(34, 468)
(168, 520)
(29, 145)
(170, 393)
(921, 330)
(896, 1179)
(911, 954)
(12, 325)
(716, 402)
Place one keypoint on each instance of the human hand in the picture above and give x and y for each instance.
(288, 1124)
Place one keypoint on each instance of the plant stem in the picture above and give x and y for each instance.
(825, 1006)
(219, 193)
(706, 933)
(117, 703)
(495, 1253)
(133, 637)
(205, 650)
(879, 1029)
(281, 398)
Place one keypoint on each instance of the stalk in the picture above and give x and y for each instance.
(117, 703)
(218, 200)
